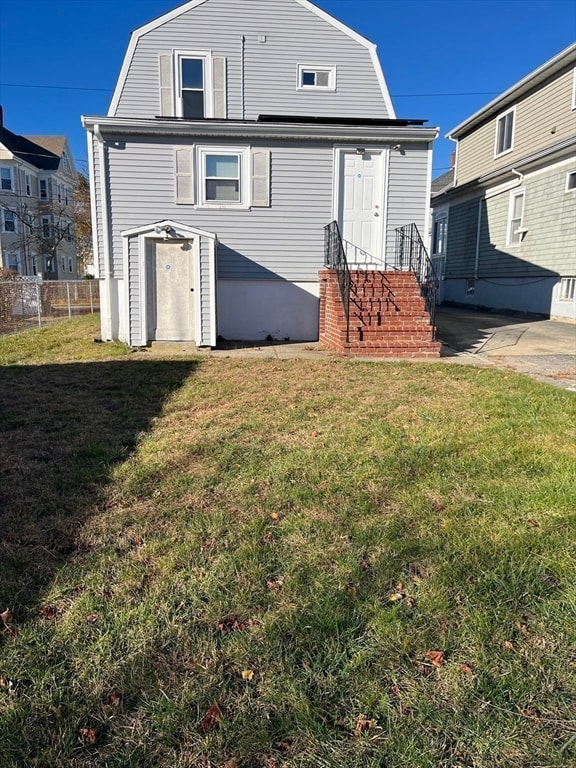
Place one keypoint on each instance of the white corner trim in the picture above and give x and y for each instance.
(126, 286)
(92, 181)
(212, 290)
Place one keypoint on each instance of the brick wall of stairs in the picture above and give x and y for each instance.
(388, 317)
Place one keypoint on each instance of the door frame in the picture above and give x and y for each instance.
(340, 152)
(178, 232)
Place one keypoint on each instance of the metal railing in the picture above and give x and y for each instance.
(32, 303)
(411, 256)
(335, 258)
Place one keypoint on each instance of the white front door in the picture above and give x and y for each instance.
(170, 290)
(361, 203)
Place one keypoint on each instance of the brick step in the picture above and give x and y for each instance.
(375, 321)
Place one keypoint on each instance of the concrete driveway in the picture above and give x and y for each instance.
(542, 349)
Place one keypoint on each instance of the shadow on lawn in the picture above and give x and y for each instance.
(63, 428)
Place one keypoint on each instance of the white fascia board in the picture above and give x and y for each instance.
(222, 129)
(135, 37)
(516, 90)
(359, 39)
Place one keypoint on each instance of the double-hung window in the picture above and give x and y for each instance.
(515, 218)
(192, 87)
(46, 226)
(222, 178)
(12, 261)
(9, 223)
(439, 236)
(6, 183)
(28, 185)
(505, 132)
(43, 187)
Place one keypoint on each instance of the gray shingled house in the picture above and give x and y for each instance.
(238, 130)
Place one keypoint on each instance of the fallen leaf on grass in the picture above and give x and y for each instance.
(438, 507)
(113, 698)
(247, 674)
(394, 597)
(47, 611)
(436, 657)
(274, 516)
(528, 713)
(508, 645)
(522, 628)
(92, 619)
(234, 624)
(87, 735)
(363, 724)
(210, 719)
(6, 616)
(467, 669)
(233, 763)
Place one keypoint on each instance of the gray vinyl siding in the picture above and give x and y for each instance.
(135, 299)
(406, 195)
(461, 241)
(294, 35)
(548, 247)
(543, 118)
(284, 241)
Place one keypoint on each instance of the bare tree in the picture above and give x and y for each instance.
(82, 220)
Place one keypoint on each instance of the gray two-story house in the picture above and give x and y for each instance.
(239, 129)
(504, 219)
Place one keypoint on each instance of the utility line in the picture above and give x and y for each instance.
(110, 90)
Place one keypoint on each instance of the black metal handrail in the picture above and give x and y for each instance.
(412, 256)
(335, 258)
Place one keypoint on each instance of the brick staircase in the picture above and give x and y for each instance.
(388, 316)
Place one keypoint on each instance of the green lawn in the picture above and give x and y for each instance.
(220, 563)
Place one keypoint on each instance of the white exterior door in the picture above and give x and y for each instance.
(170, 290)
(361, 205)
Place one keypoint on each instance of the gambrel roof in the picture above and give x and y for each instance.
(191, 4)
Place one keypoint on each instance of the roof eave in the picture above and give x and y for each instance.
(515, 91)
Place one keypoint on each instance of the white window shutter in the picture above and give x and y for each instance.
(184, 176)
(219, 86)
(166, 90)
(261, 178)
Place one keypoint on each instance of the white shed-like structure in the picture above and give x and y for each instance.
(170, 285)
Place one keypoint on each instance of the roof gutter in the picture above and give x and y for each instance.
(216, 129)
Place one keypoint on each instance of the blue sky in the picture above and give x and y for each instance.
(443, 59)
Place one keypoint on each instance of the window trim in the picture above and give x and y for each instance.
(521, 229)
(11, 174)
(569, 175)
(574, 88)
(501, 117)
(206, 57)
(16, 255)
(566, 287)
(244, 171)
(439, 219)
(46, 196)
(302, 68)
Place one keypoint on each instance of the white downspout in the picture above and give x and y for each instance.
(106, 305)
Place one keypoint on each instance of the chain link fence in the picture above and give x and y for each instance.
(33, 303)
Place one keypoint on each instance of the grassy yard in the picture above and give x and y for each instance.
(217, 563)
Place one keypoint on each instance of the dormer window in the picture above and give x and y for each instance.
(316, 78)
(505, 132)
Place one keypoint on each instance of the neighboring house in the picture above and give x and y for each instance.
(37, 179)
(504, 219)
(236, 132)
